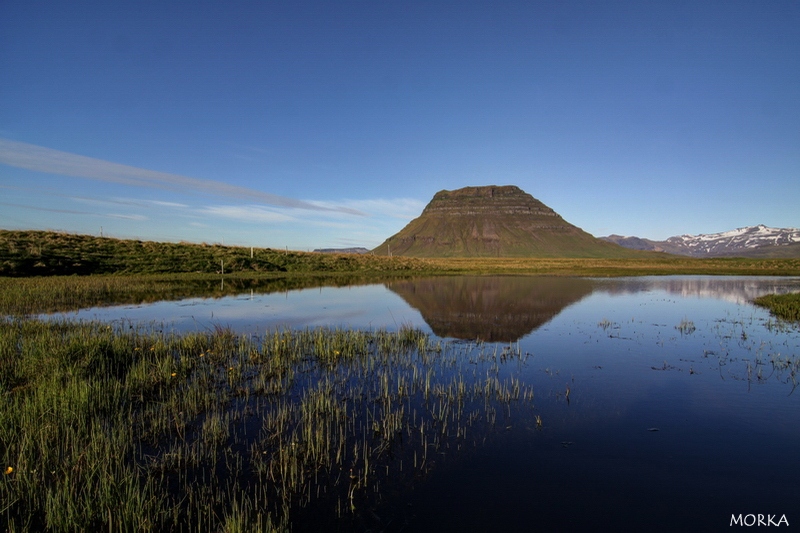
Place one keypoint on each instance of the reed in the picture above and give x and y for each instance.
(686, 327)
(132, 428)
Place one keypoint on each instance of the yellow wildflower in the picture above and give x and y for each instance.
(174, 374)
(9, 470)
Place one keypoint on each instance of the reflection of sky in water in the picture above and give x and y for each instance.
(366, 306)
(662, 428)
(641, 372)
(726, 441)
(662, 300)
(736, 289)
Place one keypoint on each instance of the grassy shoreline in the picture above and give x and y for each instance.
(784, 306)
(44, 294)
(34, 295)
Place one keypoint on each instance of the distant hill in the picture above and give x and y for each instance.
(493, 221)
(635, 243)
(341, 250)
(751, 241)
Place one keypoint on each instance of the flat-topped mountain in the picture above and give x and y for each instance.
(493, 221)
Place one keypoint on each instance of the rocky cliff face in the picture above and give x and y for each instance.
(492, 221)
(490, 200)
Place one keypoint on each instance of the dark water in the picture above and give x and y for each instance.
(666, 403)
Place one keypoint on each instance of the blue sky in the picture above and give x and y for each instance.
(332, 124)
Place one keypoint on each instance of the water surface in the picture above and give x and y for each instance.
(666, 403)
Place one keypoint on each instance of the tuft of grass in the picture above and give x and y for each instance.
(686, 327)
(785, 306)
(605, 324)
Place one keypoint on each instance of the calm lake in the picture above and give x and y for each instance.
(660, 403)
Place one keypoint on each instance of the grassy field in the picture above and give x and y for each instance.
(40, 253)
(43, 253)
(654, 264)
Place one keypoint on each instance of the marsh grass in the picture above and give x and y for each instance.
(605, 324)
(128, 428)
(784, 306)
(761, 361)
(686, 327)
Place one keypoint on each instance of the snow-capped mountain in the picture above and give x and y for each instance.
(738, 240)
(751, 241)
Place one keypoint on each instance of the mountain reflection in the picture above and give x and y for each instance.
(489, 308)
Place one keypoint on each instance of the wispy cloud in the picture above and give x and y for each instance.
(113, 202)
(248, 213)
(126, 217)
(166, 204)
(399, 208)
(73, 212)
(41, 159)
(46, 209)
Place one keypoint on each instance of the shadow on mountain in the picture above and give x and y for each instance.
(489, 308)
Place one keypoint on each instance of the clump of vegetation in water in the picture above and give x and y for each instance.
(686, 327)
(118, 427)
(785, 306)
